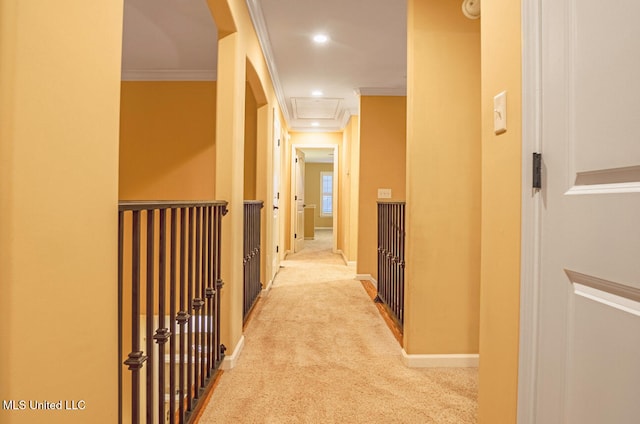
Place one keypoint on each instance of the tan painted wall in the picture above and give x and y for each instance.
(167, 140)
(443, 180)
(501, 204)
(312, 191)
(250, 143)
(238, 46)
(59, 101)
(383, 129)
(352, 132)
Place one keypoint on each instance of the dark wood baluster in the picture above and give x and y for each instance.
(172, 314)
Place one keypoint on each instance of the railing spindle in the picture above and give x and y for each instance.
(251, 255)
(172, 314)
(391, 262)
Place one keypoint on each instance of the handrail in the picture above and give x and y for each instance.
(139, 205)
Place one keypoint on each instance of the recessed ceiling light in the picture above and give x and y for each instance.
(316, 93)
(320, 38)
(315, 124)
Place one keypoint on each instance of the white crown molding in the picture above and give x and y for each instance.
(305, 129)
(346, 115)
(257, 17)
(381, 91)
(169, 75)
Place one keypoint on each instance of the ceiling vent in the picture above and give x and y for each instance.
(313, 108)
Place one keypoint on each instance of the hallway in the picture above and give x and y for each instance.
(316, 350)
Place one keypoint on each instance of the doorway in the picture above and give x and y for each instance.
(318, 173)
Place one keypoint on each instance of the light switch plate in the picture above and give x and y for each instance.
(384, 193)
(500, 113)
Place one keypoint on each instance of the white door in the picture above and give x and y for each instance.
(275, 232)
(299, 202)
(588, 354)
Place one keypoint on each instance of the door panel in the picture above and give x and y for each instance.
(588, 345)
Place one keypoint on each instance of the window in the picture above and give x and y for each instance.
(326, 194)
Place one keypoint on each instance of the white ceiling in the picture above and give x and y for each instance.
(366, 51)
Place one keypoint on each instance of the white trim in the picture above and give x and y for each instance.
(265, 290)
(451, 360)
(257, 17)
(324, 228)
(381, 91)
(336, 186)
(613, 300)
(531, 212)
(346, 260)
(616, 188)
(230, 361)
(169, 75)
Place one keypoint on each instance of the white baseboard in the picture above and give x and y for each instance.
(265, 290)
(309, 238)
(453, 360)
(230, 361)
(367, 277)
(323, 228)
(344, 257)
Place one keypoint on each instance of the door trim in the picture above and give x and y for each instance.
(336, 187)
(530, 212)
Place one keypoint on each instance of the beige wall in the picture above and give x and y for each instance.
(383, 130)
(501, 204)
(443, 180)
(352, 165)
(167, 140)
(59, 101)
(312, 191)
(240, 60)
(250, 143)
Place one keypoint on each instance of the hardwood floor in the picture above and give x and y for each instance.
(388, 319)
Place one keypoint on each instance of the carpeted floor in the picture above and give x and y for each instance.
(317, 351)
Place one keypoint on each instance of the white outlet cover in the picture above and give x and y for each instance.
(384, 193)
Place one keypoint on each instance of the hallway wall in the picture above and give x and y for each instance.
(501, 204)
(167, 140)
(240, 59)
(383, 135)
(442, 296)
(350, 168)
(250, 143)
(59, 101)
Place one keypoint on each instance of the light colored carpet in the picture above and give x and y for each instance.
(317, 351)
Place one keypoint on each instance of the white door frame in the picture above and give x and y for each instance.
(336, 187)
(531, 211)
(273, 216)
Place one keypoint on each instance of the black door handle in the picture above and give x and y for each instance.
(275, 207)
